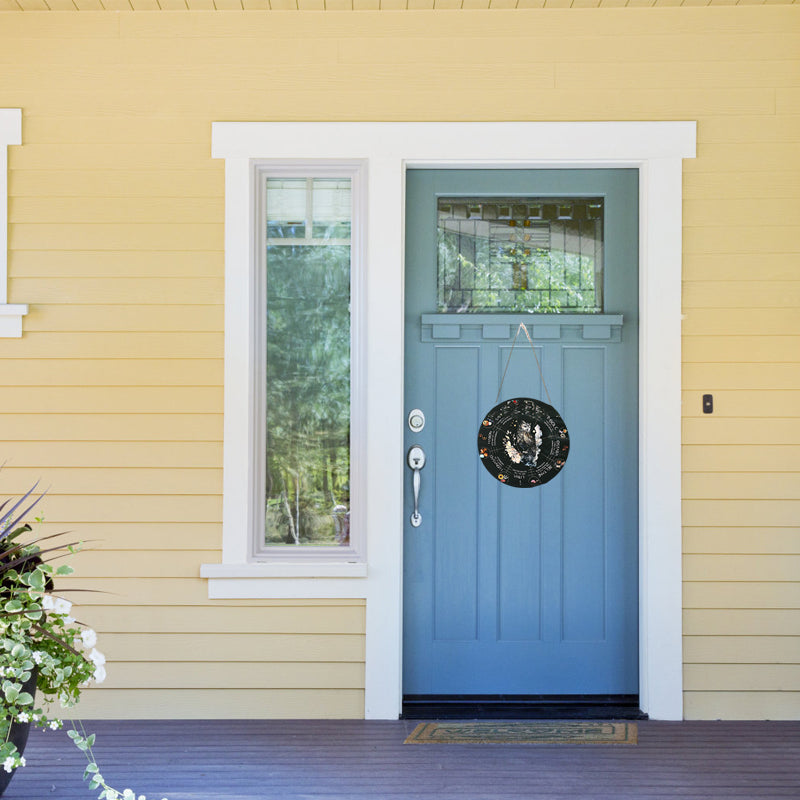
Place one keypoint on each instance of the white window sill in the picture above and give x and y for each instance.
(277, 569)
(286, 581)
(11, 319)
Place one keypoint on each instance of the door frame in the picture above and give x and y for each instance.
(656, 149)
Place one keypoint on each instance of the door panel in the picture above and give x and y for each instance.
(523, 591)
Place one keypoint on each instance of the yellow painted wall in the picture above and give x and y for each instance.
(114, 394)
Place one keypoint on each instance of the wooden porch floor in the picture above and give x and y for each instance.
(322, 760)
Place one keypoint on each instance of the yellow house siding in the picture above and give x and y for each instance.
(114, 394)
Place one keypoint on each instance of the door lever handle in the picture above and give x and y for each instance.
(416, 460)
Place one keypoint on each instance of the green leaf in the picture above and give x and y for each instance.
(11, 692)
(25, 699)
(13, 606)
(65, 569)
(37, 580)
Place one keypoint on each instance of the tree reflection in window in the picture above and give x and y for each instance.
(535, 255)
(307, 478)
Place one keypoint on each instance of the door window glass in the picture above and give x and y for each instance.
(537, 255)
(308, 222)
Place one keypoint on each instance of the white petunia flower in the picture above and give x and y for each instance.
(58, 605)
(96, 657)
(37, 656)
(55, 724)
(8, 764)
(62, 606)
(89, 638)
(99, 673)
(24, 716)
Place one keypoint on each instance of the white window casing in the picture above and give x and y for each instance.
(383, 152)
(11, 314)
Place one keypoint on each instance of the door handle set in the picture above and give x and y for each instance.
(416, 460)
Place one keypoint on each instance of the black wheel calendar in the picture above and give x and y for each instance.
(523, 442)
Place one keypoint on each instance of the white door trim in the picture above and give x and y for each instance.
(657, 150)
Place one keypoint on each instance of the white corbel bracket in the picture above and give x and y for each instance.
(11, 314)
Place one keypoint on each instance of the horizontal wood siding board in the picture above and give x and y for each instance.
(743, 185)
(741, 594)
(118, 264)
(725, 458)
(73, 371)
(147, 536)
(733, 540)
(175, 427)
(121, 291)
(212, 675)
(255, 647)
(756, 649)
(742, 622)
(319, 619)
(220, 703)
(742, 705)
(144, 184)
(748, 320)
(741, 567)
(742, 485)
(738, 267)
(742, 430)
(107, 400)
(741, 677)
(77, 455)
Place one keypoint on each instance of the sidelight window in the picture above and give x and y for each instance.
(306, 248)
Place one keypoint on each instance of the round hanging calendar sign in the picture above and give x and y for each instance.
(523, 442)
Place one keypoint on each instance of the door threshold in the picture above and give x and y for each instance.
(572, 706)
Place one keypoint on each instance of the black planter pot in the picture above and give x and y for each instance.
(18, 734)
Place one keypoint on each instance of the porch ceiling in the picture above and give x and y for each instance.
(351, 5)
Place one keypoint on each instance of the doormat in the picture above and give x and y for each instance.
(524, 733)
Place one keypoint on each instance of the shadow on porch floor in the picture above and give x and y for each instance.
(323, 760)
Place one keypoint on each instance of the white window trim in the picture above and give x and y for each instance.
(11, 314)
(656, 149)
(243, 476)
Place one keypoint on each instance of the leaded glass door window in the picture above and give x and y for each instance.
(532, 254)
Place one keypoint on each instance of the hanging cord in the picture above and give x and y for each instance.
(508, 361)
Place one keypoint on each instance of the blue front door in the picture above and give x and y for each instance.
(523, 591)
